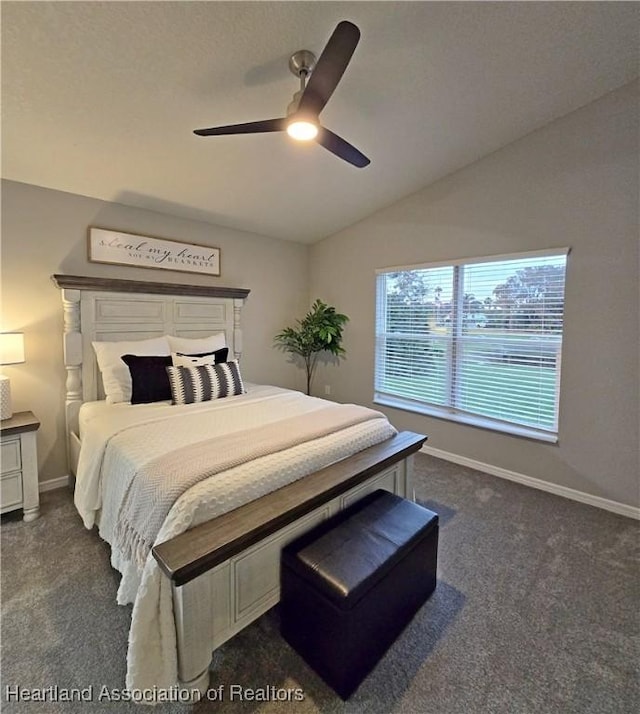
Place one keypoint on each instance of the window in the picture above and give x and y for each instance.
(477, 341)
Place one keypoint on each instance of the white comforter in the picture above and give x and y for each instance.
(118, 439)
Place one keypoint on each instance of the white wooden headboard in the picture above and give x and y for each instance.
(104, 309)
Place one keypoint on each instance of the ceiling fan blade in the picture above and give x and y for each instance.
(341, 148)
(329, 68)
(252, 127)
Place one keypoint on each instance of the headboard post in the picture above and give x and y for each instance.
(237, 330)
(72, 351)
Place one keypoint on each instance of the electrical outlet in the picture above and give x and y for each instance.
(327, 390)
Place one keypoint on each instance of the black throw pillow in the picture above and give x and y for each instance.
(149, 381)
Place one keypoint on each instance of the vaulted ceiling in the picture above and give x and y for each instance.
(100, 98)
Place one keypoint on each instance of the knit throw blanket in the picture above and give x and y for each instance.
(160, 482)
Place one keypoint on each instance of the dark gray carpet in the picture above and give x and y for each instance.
(536, 611)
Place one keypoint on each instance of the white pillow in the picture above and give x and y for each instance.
(197, 345)
(187, 361)
(116, 378)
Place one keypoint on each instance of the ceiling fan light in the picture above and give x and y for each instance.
(302, 130)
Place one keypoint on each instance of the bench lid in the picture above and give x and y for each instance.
(345, 556)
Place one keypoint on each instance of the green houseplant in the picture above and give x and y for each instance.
(319, 330)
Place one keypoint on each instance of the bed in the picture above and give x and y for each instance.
(212, 568)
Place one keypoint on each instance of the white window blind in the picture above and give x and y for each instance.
(477, 339)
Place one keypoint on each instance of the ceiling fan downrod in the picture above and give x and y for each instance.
(301, 63)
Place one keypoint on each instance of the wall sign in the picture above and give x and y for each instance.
(119, 248)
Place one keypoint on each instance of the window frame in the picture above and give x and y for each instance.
(453, 363)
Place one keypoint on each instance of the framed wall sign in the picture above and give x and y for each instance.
(120, 248)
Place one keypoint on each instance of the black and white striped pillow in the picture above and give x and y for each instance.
(206, 382)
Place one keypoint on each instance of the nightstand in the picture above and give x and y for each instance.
(19, 465)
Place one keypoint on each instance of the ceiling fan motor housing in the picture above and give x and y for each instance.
(293, 105)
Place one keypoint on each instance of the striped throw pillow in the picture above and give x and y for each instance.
(204, 383)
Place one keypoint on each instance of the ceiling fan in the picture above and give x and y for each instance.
(318, 80)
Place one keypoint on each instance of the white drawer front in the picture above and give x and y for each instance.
(10, 455)
(10, 490)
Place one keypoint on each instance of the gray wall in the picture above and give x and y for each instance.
(45, 232)
(572, 183)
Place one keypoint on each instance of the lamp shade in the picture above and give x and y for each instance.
(11, 347)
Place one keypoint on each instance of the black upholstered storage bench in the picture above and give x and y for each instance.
(350, 585)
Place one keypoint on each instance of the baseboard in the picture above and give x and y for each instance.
(53, 483)
(620, 508)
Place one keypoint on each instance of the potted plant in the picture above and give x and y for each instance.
(319, 330)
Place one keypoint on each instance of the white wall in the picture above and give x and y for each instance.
(572, 183)
(45, 232)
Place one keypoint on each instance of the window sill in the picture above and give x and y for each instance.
(467, 419)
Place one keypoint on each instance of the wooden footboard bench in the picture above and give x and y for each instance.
(226, 572)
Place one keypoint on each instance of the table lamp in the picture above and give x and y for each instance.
(11, 352)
